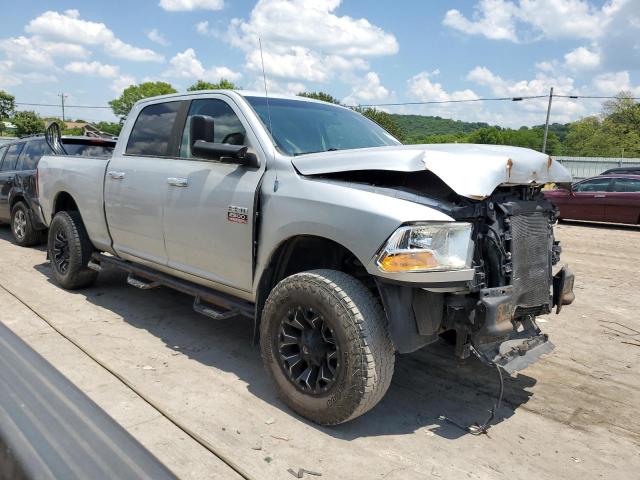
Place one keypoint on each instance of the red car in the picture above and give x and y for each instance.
(606, 198)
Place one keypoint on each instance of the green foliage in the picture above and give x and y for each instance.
(524, 137)
(27, 123)
(615, 134)
(325, 97)
(223, 84)
(418, 127)
(384, 119)
(122, 105)
(7, 107)
(112, 128)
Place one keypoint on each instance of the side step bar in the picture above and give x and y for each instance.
(213, 304)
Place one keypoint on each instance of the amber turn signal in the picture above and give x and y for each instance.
(408, 261)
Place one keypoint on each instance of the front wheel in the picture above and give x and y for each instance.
(70, 250)
(325, 344)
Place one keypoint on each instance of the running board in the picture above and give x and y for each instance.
(217, 305)
(212, 312)
(142, 285)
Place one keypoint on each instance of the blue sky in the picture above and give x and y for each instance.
(363, 52)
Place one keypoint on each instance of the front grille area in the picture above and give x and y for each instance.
(531, 262)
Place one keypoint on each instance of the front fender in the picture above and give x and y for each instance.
(359, 220)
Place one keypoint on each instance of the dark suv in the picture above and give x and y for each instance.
(18, 186)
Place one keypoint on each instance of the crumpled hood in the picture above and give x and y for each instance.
(473, 171)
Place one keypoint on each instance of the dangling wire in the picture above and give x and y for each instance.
(475, 428)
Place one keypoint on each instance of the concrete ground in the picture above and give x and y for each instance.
(574, 414)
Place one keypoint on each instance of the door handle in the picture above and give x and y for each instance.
(178, 182)
(600, 195)
(116, 175)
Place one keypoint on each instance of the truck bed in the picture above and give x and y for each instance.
(83, 179)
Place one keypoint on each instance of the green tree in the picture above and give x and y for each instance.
(223, 84)
(122, 105)
(325, 97)
(384, 119)
(112, 128)
(27, 123)
(7, 107)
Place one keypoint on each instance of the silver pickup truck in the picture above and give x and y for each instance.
(344, 245)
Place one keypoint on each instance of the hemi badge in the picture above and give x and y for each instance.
(237, 214)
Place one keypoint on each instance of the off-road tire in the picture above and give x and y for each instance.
(22, 228)
(77, 274)
(360, 327)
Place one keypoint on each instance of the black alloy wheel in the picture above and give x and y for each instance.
(60, 256)
(308, 350)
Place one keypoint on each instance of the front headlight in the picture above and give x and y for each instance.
(428, 247)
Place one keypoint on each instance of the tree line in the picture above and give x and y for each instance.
(615, 132)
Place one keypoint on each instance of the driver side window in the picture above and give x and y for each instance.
(596, 185)
(227, 127)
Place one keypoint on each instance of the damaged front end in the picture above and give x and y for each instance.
(515, 252)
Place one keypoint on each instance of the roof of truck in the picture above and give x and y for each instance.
(241, 93)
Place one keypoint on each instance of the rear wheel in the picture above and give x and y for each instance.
(325, 344)
(22, 226)
(70, 250)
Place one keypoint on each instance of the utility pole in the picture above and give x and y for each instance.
(546, 125)
(62, 97)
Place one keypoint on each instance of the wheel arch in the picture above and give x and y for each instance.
(64, 201)
(299, 253)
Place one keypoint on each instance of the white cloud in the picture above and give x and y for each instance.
(423, 88)
(69, 27)
(186, 65)
(492, 18)
(157, 37)
(531, 111)
(367, 89)
(522, 20)
(202, 27)
(612, 83)
(95, 69)
(582, 59)
(188, 5)
(122, 82)
(35, 52)
(10, 77)
(307, 40)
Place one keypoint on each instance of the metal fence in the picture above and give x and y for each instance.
(583, 167)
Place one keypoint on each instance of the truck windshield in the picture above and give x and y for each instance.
(301, 127)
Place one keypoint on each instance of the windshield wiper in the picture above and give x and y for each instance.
(317, 151)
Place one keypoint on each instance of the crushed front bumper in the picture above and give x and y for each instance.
(515, 343)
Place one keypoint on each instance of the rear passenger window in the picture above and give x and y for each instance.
(2, 152)
(32, 153)
(11, 157)
(227, 127)
(626, 185)
(152, 131)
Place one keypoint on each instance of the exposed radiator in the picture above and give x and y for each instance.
(531, 262)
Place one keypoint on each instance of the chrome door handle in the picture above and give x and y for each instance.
(178, 182)
(602, 195)
(116, 175)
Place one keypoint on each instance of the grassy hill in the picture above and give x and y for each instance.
(418, 126)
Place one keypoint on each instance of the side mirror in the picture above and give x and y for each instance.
(202, 145)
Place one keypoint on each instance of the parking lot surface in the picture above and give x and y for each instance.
(574, 414)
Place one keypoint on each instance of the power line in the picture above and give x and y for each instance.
(489, 99)
(58, 105)
(395, 104)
